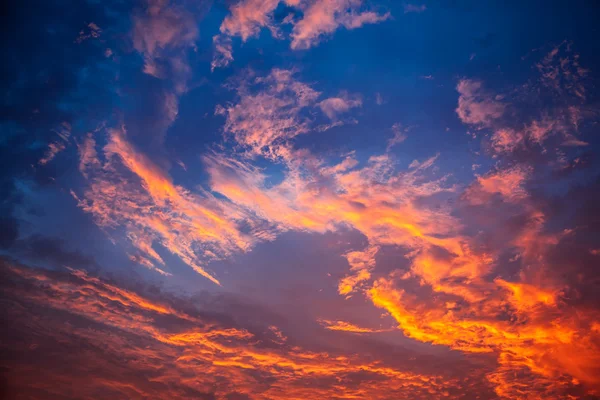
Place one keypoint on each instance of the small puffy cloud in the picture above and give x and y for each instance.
(334, 106)
(475, 105)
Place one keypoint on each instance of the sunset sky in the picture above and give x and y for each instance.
(300, 199)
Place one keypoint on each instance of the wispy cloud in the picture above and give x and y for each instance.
(319, 19)
(55, 147)
(413, 8)
(475, 105)
(334, 106)
(128, 190)
(344, 326)
(324, 17)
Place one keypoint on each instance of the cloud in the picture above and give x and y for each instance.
(267, 117)
(223, 52)
(561, 71)
(162, 32)
(246, 20)
(412, 8)
(248, 17)
(320, 18)
(334, 106)
(128, 190)
(532, 126)
(537, 133)
(324, 17)
(506, 183)
(457, 290)
(77, 313)
(475, 106)
(400, 135)
(347, 327)
(63, 133)
(91, 31)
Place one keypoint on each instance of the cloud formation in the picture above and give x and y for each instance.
(165, 345)
(375, 260)
(475, 106)
(129, 191)
(319, 19)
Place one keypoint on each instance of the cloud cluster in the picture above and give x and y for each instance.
(130, 344)
(319, 19)
(475, 106)
(478, 257)
(127, 190)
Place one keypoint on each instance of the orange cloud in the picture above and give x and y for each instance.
(507, 183)
(186, 355)
(453, 291)
(154, 211)
(347, 327)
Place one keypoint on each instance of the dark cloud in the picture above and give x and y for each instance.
(72, 335)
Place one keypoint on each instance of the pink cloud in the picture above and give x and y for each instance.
(320, 18)
(400, 135)
(508, 183)
(223, 52)
(164, 31)
(561, 71)
(264, 121)
(324, 17)
(334, 106)
(248, 17)
(63, 132)
(475, 106)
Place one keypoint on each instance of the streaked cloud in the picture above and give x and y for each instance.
(55, 147)
(129, 191)
(347, 327)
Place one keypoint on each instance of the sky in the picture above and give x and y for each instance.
(300, 199)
